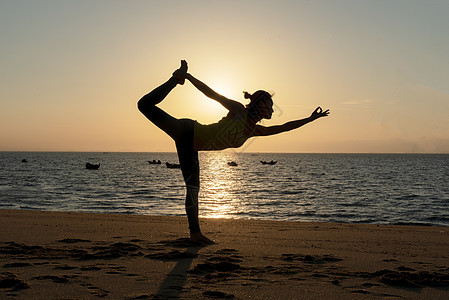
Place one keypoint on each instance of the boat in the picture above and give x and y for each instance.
(154, 162)
(172, 166)
(90, 166)
(232, 164)
(268, 162)
(24, 161)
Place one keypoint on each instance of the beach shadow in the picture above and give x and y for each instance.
(173, 283)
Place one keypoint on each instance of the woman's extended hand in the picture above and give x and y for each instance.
(318, 113)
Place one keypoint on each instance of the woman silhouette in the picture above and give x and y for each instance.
(231, 131)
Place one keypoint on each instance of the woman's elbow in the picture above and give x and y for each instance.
(143, 104)
(140, 105)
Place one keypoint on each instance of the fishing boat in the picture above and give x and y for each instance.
(90, 166)
(172, 166)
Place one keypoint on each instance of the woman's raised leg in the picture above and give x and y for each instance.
(147, 104)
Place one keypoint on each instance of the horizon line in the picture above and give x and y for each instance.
(258, 152)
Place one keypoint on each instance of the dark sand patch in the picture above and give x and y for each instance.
(12, 282)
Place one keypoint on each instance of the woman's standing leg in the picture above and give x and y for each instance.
(191, 173)
(188, 158)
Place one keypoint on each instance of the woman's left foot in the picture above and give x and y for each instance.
(200, 238)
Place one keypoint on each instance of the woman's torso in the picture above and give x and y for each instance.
(230, 132)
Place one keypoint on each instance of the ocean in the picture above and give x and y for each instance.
(410, 189)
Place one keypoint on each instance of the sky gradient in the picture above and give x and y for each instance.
(73, 71)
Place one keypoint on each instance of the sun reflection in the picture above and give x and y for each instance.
(219, 185)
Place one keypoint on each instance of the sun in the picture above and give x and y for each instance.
(225, 82)
(210, 109)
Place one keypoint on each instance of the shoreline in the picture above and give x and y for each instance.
(52, 255)
(205, 219)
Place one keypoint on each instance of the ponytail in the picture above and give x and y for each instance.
(247, 95)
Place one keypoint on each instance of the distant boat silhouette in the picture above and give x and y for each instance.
(154, 162)
(268, 162)
(172, 166)
(90, 166)
(24, 161)
(232, 164)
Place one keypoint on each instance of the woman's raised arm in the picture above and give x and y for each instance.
(231, 105)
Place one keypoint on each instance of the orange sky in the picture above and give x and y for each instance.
(72, 72)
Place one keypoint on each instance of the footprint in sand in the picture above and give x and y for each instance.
(17, 265)
(172, 255)
(73, 241)
(55, 279)
(90, 268)
(317, 259)
(96, 291)
(211, 267)
(218, 294)
(226, 255)
(12, 282)
(65, 267)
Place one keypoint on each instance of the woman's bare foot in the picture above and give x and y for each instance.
(180, 74)
(200, 238)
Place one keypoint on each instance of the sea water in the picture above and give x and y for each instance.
(350, 188)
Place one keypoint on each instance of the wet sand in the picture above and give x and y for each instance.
(53, 255)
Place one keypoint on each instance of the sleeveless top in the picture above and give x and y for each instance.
(229, 132)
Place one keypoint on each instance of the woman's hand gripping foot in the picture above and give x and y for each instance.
(180, 74)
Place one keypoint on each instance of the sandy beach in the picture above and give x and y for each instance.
(54, 255)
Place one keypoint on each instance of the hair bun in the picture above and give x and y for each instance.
(247, 95)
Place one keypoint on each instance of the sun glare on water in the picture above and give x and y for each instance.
(221, 183)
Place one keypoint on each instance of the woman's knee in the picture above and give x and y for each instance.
(191, 179)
